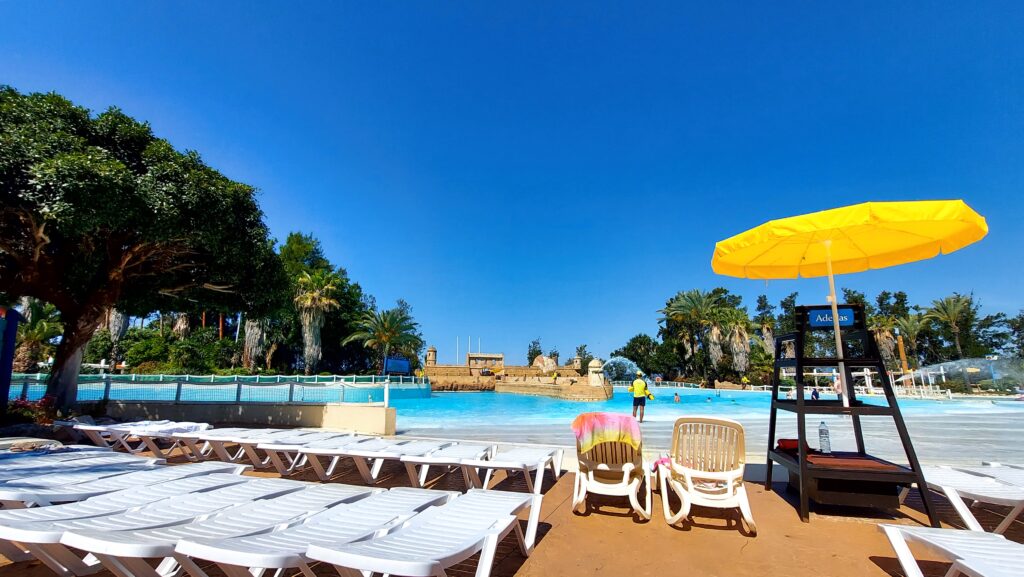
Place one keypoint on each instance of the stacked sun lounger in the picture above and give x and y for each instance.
(972, 551)
(136, 436)
(246, 524)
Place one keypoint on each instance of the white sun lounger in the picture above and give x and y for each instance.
(1006, 474)
(42, 538)
(963, 489)
(64, 453)
(246, 443)
(283, 453)
(450, 457)
(215, 442)
(195, 448)
(438, 538)
(125, 552)
(338, 449)
(39, 496)
(286, 548)
(972, 553)
(522, 459)
(107, 504)
(99, 435)
(71, 476)
(28, 468)
(370, 456)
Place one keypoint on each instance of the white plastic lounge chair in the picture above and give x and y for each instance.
(194, 448)
(972, 553)
(247, 443)
(519, 459)
(284, 454)
(286, 548)
(72, 476)
(107, 504)
(138, 436)
(370, 456)
(1009, 475)
(100, 435)
(29, 468)
(64, 453)
(705, 468)
(441, 537)
(615, 469)
(960, 487)
(39, 496)
(214, 442)
(125, 552)
(450, 457)
(42, 538)
(338, 449)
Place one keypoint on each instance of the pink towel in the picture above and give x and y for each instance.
(592, 429)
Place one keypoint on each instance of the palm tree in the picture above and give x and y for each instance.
(948, 311)
(698, 318)
(35, 336)
(314, 299)
(910, 326)
(386, 331)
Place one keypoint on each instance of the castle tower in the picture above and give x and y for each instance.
(431, 356)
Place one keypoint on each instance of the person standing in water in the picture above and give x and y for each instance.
(640, 394)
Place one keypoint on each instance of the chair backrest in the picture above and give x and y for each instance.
(612, 453)
(708, 444)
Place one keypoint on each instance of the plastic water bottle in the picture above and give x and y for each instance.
(824, 443)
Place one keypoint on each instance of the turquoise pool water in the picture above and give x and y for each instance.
(447, 410)
(957, 431)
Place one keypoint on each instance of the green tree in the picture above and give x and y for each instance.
(787, 314)
(641, 349)
(34, 341)
(387, 331)
(764, 314)
(1016, 326)
(949, 311)
(533, 351)
(910, 327)
(585, 357)
(703, 322)
(95, 212)
(314, 299)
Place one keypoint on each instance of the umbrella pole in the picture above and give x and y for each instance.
(843, 385)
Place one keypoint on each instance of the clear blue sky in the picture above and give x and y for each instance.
(516, 171)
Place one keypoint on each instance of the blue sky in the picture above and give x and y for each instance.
(515, 170)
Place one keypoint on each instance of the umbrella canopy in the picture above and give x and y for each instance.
(864, 236)
(849, 239)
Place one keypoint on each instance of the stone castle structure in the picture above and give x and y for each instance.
(488, 372)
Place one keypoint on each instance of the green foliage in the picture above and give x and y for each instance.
(388, 331)
(99, 348)
(787, 314)
(533, 351)
(641, 349)
(99, 212)
(585, 357)
(1016, 335)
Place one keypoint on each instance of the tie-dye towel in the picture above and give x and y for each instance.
(592, 429)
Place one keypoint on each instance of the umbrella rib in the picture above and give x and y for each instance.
(853, 244)
(764, 252)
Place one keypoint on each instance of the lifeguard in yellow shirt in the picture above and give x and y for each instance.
(640, 394)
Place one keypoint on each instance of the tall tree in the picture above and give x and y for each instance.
(949, 311)
(910, 327)
(96, 212)
(533, 351)
(314, 299)
(387, 331)
(1016, 325)
(585, 357)
(640, 349)
(787, 314)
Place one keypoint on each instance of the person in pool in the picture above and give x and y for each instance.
(640, 394)
(676, 399)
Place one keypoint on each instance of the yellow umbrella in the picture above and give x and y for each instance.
(849, 239)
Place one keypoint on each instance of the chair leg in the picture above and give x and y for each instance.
(579, 490)
(634, 499)
(684, 502)
(748, 517)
